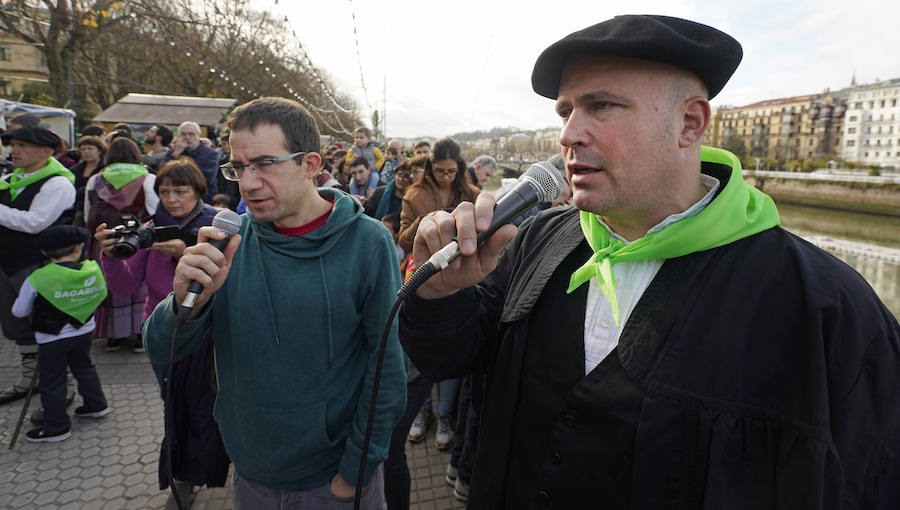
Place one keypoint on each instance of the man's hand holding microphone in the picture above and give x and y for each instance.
(204, 267)
(439, 228)
(463, 247)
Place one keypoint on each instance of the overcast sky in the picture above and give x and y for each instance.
(441, 67)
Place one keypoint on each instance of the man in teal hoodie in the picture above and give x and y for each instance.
(295, 333)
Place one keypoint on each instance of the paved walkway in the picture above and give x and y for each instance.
(111, 462)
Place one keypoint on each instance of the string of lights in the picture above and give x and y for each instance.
(133, 11)
(362, 80)
(269, 72)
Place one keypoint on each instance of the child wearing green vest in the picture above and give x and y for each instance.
(61, 298)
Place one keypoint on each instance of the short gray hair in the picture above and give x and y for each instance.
(485, 160)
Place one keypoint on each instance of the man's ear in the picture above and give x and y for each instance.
(695, 121)
(313, 162)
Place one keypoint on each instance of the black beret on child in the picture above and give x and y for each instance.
(62, 236)
(711, 54)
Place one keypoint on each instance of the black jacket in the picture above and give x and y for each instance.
(768, 371)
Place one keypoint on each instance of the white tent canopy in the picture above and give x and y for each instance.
(60, 120)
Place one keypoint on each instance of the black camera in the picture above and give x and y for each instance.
(132, 236)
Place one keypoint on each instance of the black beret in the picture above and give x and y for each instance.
(26, 120)
(709, 53)
(35, 135)
(62, 236)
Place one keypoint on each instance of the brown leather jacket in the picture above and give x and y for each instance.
(419, 201)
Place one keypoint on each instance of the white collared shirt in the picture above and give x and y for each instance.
(56, 195)
(601, 335)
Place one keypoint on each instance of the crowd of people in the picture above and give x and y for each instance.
(117, 182)
(599, 352)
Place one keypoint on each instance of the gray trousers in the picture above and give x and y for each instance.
(246, 495)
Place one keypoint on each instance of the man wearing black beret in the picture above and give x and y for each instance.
(664, 343)
(39, 193)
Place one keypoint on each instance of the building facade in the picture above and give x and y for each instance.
(798, 128)
(872, 124)
(20, 63)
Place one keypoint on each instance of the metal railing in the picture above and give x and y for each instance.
(826, 176)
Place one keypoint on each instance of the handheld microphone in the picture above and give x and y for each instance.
(542, 182)
(228, 222)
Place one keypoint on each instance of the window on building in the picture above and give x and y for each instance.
(851, 143)
(851, 131)
(857, 105)
(852, 118)
(5, 86)
(882, 103)
(5, 53)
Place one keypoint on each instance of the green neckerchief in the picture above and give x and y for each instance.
(120, 174)
(77, 292)
(17, 183)
(739, 211)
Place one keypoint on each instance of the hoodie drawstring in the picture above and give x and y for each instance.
(268, 295)
(327, 312)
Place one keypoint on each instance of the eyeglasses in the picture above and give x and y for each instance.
(403, 175)
(234, 171)
(445, 172)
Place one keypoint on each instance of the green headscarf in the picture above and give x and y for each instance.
(16, 182)
(120, 174)
(739, 211)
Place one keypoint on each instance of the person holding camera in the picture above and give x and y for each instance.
(198, 456)
(123, 188)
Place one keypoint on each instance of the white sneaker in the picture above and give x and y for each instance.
(420, 426)
(461, 490)
(452, 473)
(443, 439)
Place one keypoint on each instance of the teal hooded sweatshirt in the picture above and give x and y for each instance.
(297, 326)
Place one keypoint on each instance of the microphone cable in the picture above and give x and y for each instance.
(542, 181)
(168, 430)
(420, 276)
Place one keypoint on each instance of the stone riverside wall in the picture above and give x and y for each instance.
(851, 196)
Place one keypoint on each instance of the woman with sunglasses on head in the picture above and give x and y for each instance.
(198, 455)
(444, 186)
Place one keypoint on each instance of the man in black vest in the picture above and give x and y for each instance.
(664, 343)
(39, 193)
